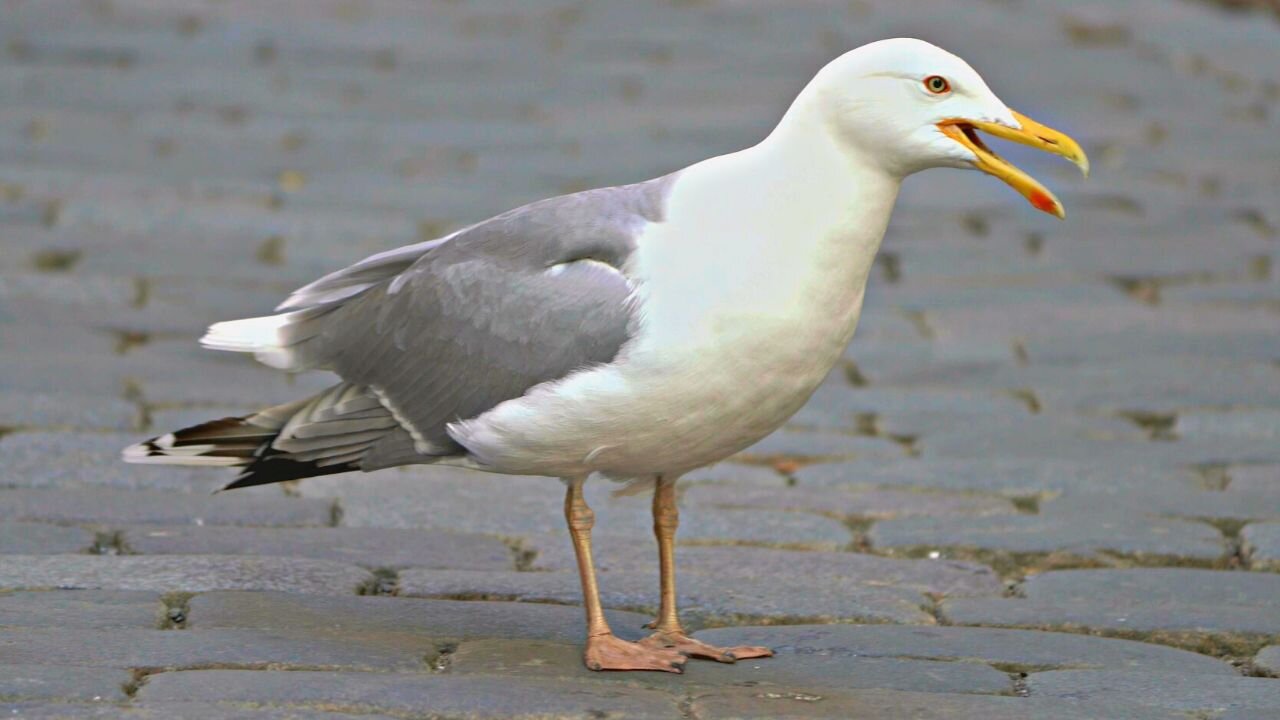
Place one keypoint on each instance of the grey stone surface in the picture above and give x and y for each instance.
(1202, 693)
(702, 598)
(784, 568)
(1065, 533)
(179, 573)
(441, 619)
(1268, 660)
(536, 505)
(24, 538)
(93, 609)
(848, 501)
(800, 703)
(432, 695)
(70, 459)
(31, 409)
(1013, 477)
(107, 505)
(1021, 649)
(167, 711)
(230, 647)
(1261, 544)
(65, 682)
(786, 670)
(1146, 600)
(369, 547)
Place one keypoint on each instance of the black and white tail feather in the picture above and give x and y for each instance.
(325, 434)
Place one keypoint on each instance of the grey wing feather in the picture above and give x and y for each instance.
(444, 331)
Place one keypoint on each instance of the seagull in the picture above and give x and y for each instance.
(635, 332)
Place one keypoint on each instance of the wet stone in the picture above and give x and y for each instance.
(22, 538)
(368, 547)
(431, 695)
(65, 682)
(96, 609)
(194, 573)
(1200, 693)
(438, 619)
(1022, 649)
(1172, 600)
(108, 505)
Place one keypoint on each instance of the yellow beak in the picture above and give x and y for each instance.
(1031, 133)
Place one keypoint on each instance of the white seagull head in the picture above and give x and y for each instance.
(906, 106)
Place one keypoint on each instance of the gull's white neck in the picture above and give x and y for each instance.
(777, 238)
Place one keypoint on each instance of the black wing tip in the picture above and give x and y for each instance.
(275, 469)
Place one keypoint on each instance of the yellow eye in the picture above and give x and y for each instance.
(937, 84)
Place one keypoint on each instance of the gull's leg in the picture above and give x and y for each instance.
(667, 630)
(604, 651)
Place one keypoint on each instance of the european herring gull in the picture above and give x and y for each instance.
(638, 332)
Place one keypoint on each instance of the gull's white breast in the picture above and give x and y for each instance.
(746, 293)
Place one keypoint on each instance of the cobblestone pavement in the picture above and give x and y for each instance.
(1045, 483)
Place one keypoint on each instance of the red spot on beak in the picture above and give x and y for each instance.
(1042, 202)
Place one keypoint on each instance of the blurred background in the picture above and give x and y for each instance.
(1025, 398)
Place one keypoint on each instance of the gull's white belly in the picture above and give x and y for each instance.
(742, 308)
(665, 409)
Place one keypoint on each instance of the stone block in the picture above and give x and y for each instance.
(1177, 602)
(367, 547)
(438, 619)
(61, 682)
(1012, 650)
(1185, 693)
(189, 573)
(24, 538)
(109, 506)
(92, 609)
(397, 693)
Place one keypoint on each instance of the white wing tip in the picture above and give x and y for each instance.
(249, 335)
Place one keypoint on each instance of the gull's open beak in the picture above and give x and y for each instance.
(1031, 133)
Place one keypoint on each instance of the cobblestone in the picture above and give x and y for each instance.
(1145, 600)
(21, 538)
(1262, 545)
(68, 682)
(1043, 433)
(702, 598)
(91, 609)
(1068, 534)
(1175, 692)
(178, 649)
(1022, 650)
(419, 694)
(110, 506)
(179, 573)
(437, 619)
(369, 547)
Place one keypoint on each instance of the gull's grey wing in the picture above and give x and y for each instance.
(483, 315)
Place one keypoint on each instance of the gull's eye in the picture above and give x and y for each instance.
(937, 84)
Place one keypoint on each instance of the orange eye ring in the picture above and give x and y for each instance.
(937, 85)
